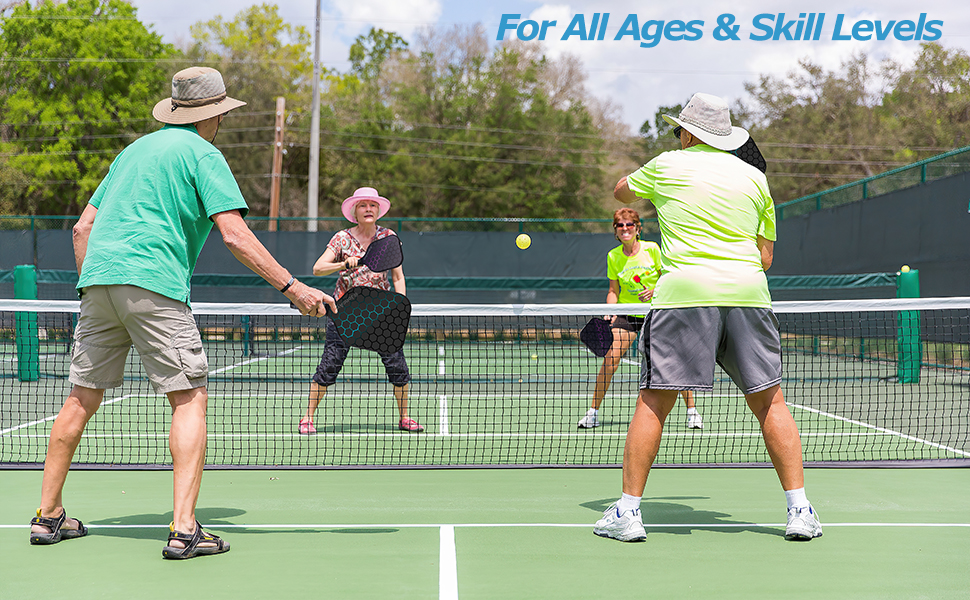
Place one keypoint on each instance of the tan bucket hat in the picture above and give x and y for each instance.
(198, 93)
(708, 118)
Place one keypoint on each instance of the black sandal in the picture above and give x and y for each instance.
(57, 530)
(192, 542)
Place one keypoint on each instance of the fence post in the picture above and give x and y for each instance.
(28, 342)
(909, 351)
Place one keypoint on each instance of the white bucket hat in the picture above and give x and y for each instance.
(349, 206)
(198, 93)
(708, 118)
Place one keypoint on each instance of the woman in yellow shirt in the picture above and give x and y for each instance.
(633, 269)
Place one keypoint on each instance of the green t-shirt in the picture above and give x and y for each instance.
(712, 207)
(622, 269)
(154, 210)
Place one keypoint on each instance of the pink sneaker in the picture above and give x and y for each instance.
(409, 425)
(306, 427)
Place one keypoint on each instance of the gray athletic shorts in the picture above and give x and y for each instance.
(679, 347)
(116, 317)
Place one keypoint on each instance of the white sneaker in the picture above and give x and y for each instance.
(803, 524)
(590, 420)
(694, 421)
(627, 527)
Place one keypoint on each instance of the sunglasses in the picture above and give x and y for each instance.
(623, 225)
(677, 131)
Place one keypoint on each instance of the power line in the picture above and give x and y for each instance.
(431, 141)
(507, 161)
(408, 126)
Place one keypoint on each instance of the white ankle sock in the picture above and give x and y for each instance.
(627, 502)
(796, 498)
(692, 411)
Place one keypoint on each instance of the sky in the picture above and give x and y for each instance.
(637, 79)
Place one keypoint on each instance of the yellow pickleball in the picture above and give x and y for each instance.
(523, 241)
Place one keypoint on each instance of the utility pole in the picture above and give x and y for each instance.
(274, 190)
(312, 186)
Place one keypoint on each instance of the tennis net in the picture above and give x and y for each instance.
(870, 381)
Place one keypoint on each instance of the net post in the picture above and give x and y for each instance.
(28, 341)
(246, 321)
(909, 348)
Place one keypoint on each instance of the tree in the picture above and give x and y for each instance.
(454, 130)
(81, 78)
(931, 100)
(261, 58)
(821, 129)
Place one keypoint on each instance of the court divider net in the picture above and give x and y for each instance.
(868, 382)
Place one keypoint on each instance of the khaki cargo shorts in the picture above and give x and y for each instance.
(116, 317)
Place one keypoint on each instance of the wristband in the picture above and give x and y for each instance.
(288, 284)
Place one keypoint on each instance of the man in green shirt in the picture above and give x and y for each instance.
(136, 245)
(710, 305)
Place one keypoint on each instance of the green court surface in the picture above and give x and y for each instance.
(508, 533)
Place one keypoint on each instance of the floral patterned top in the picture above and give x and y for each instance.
(345, 245)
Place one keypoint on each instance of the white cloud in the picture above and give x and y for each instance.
(401, 16)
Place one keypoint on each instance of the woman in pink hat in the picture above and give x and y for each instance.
(343, 252)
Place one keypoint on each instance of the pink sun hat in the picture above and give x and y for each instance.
(364, 193)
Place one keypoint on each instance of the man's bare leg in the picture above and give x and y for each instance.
(643, 438)
(780, 434)
(187, 441)
(79, 407)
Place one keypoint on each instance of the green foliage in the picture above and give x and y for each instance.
(450, 129)
(821, 129)
(656, 136)
(261, 58)
(442, 125)
(369, 52)
(80, 80)
(931, 101)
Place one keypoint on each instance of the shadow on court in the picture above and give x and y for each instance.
(657, 513)
(213, 518)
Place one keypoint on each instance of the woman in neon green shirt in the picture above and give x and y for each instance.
(633, 269)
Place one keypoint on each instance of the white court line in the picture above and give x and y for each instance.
(882, 429)
(255, 360)
(135, 395)
(448, 564)
(455, 435)
(52, 417)
(443, 416)
(221, 526)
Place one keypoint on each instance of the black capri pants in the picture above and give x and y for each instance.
(335, 353)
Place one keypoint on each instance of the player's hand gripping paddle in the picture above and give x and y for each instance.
(384, 254)
(749, 153)
(372, 319)
(598, 336)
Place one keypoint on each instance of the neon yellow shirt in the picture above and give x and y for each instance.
(622, 268)
(712, 207)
